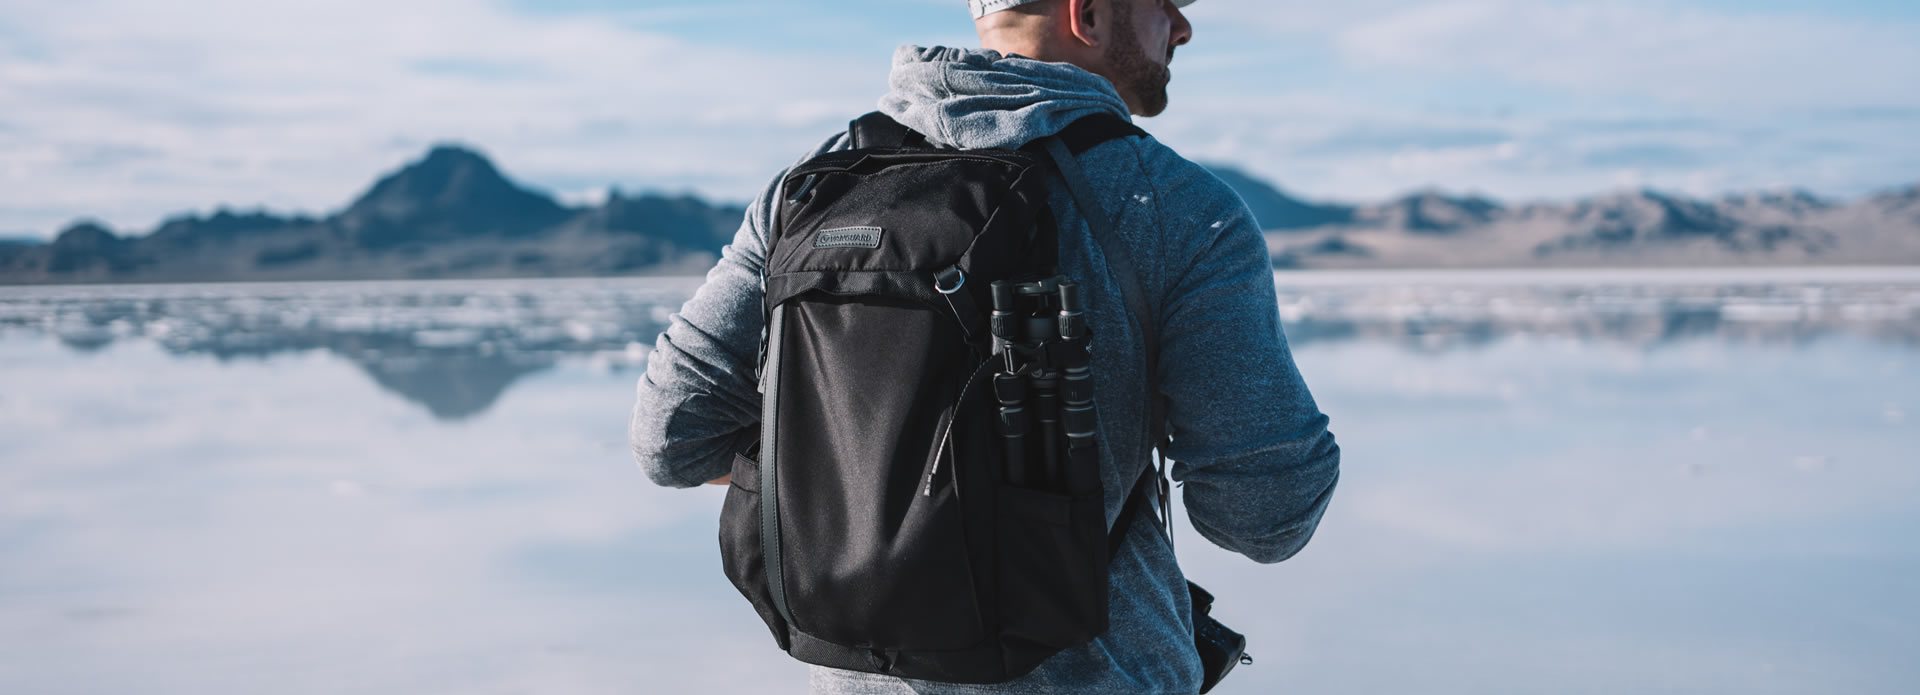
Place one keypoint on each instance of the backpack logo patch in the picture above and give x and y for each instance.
(848, 238)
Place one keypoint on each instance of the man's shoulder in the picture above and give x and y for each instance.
(1182, 185)
(1175, 172)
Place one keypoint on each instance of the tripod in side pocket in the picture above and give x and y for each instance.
(1044, 385)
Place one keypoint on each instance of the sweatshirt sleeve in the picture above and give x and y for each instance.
(1252, 451)
(698, 401)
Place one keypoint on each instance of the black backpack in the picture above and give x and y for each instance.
(889, 520)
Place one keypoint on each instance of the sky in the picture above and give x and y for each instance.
(129, 111)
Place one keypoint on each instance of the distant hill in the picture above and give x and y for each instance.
(1274, 208)
(450, 195)
(451, 213)
(1434, 229)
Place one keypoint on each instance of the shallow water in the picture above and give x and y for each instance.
(1554, 482)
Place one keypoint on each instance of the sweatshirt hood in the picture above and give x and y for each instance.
(972, 98)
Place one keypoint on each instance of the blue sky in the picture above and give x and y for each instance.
(130, 111)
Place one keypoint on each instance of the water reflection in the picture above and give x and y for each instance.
(456, 347)
(451, 347)
(1585, 483)
(1453, 310)
(452, 386)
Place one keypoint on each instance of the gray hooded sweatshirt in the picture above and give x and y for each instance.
(1253, 454)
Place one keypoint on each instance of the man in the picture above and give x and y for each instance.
(1253, 452)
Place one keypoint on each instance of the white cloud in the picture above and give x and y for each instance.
(1663, 50)
(297, 105)
(1674, 95)
(131, 111)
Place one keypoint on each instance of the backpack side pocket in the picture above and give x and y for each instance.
(740, 552)
(1053, 567)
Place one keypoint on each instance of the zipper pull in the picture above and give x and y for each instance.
(799, 196)
(926, 486)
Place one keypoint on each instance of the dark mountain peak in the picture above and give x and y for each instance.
(87, 246)
(448, 174)
(85, 234)
(1274, 208)
(452, 192)
(455, 153)
(1648, 214)
(1432, 211)
(453, 169)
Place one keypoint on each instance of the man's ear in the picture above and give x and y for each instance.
(1087, 21)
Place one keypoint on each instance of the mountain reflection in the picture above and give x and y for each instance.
(1438, 315)
(451, 347)
(451, 386)
(456, 347)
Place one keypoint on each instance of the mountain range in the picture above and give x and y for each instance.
(450, 214)
(1434, 229)
(453, 214)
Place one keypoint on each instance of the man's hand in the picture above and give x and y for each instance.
(722, 480)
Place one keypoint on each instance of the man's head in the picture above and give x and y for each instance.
(1129, 42)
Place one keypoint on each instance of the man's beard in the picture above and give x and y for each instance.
(1134, 72)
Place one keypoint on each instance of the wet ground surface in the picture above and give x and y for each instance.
(1553, 482)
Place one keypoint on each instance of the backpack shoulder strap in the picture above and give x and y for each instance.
(1138, 309)
(876, 130)
(1086, 133)
(1130, 510)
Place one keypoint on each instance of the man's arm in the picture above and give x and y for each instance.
(698, 403)
(1252, 450)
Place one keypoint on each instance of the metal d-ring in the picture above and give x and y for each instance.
(952, 273)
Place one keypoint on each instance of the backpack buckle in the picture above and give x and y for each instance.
(949, 281)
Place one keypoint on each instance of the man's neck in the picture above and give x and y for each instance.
(1022, 46)
(1035, 36)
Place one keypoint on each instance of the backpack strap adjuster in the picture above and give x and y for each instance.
(949, 280)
